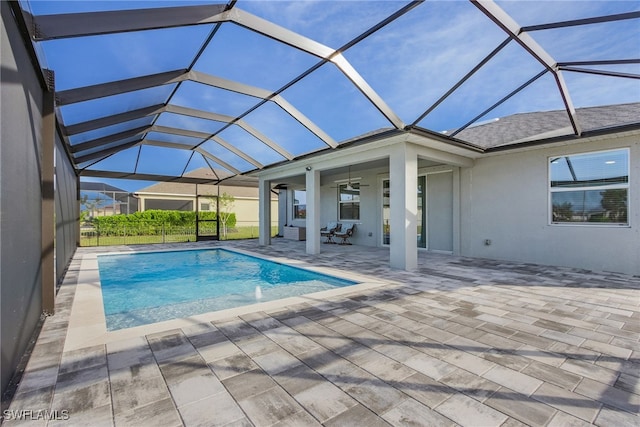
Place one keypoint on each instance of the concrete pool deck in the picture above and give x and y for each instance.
(461, 341)
(87, 323)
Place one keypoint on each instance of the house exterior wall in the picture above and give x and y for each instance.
(439, 209)
(245, 208)
(21, 98)
(246, 211)
(505, 198)
(168, 204)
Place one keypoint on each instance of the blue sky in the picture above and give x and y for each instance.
(410, 63)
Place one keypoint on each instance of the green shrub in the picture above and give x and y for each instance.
(152, 222)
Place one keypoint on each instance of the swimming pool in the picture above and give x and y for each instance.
(144, 288)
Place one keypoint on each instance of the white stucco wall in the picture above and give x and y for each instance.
(246, 209)
(504, 198)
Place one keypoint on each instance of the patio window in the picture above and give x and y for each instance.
(349, 201)
(590, 188)
(299, 204)
(205, 206)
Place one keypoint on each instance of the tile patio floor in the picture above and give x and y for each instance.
(462, 341)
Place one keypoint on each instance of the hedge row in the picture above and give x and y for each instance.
(154, 222)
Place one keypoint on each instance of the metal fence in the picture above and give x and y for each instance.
(159, 232)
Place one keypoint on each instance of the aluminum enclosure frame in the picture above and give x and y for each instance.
(79, 25)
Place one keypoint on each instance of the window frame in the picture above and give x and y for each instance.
(294, 205)
(341, 202)
(627, 186)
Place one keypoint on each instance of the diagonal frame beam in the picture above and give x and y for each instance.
(166, 144)
(147, 177)
(177, 131)
(109, 139)
(76, 25)
(219, 161)
(599, 62)
(173, 131)
(584, 21)
(217, 139)
(230, 85)
(219, 118)
(360, 83)
(265, 139)
(237, 152)
(114, 88)
(113, 120)
(182, 132)
(106, 152)
(86, 93)
(601, 72)
(200, 114)
(500, 102)
(507, 24)
(206, 136)
(50, 27)
(304, 121)
(460, 82)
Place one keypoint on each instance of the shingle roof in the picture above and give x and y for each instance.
(238, 186)
(99, 186)
(539, 125)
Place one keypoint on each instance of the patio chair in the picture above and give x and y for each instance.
(329, 231)
(345, 233)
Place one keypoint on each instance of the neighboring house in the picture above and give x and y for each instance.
(526, 190)
(100, 199)
(202, 197)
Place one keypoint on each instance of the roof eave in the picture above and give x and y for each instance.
(566, 138)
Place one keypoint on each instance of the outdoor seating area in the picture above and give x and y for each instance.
(340, 231)
(345, 233)
(329, 231)
(461, 341)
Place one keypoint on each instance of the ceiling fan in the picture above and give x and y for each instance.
(349, 186)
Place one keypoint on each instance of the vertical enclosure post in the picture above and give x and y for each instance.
(48, 198)
(264, 212)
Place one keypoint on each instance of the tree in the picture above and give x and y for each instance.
(563, 212)
(91, 207)
(225, 205)
(614, 202)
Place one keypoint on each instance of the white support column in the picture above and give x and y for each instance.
(456, 211)
(403, 177)
(313, 211)
(264, 212)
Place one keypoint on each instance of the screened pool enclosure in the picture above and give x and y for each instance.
(153, 90)
(270, 92)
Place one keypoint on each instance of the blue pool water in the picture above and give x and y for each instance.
(143, 288)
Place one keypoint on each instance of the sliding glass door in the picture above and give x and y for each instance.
(421, 232)
(422, 212)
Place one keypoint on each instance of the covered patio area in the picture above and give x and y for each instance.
(463, 341)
